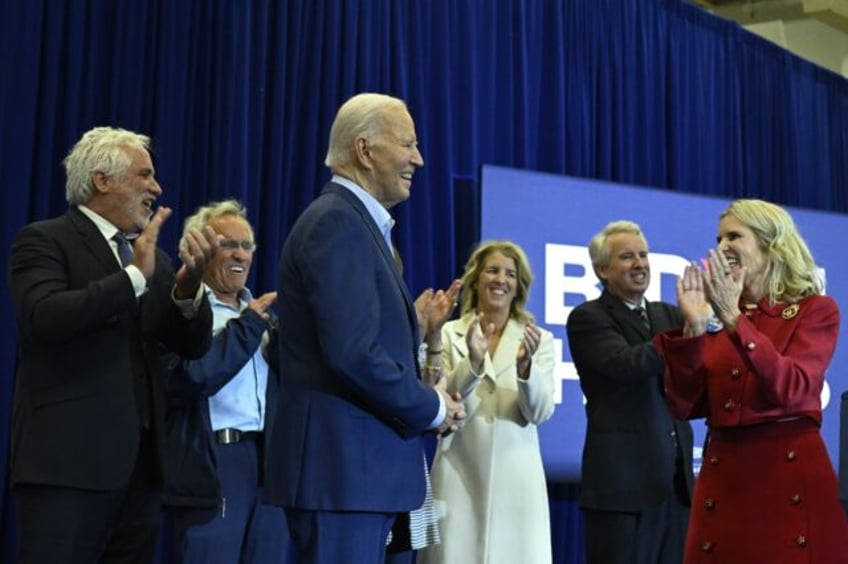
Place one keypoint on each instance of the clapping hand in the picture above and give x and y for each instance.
(723, 289)
(477, 339)
(434, 308)
(528, 347)
(692, 301)
(196, 248)
(144, 247)
(262, 304)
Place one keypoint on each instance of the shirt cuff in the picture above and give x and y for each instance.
(440, 417)
(137, 279)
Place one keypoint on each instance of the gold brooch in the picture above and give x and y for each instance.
(790, 311)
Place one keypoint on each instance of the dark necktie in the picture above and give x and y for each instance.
(643, 316)
(398, 260)
(142, 395)
(125, 252)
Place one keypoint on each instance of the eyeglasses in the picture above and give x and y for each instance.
(233, 245)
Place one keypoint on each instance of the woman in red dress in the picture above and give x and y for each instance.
(751, 358)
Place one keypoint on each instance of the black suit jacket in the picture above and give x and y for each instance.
(629, 456)
(84, 339)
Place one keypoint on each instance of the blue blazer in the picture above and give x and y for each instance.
(352, 407)
(192, 463)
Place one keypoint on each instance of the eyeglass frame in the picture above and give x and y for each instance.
(233, 245)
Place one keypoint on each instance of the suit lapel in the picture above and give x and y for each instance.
(93, 240)
(630, 324)
(507, 347)
(660, 321)
(379, 242)
(458, 343)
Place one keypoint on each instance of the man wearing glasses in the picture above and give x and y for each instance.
(218, 408)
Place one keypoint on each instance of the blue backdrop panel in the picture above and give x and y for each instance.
(553, 218)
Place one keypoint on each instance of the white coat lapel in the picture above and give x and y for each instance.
(504, 358)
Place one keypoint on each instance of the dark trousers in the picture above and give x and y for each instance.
(654, 536)
(71, 526)
(405, 557)
(329, 537)
(400, 550)
(243, 529)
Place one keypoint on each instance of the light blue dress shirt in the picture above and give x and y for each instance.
(240, 404)
(381, 215)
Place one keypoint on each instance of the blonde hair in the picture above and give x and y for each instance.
(474, 267)
(790, 269)
(362, 115)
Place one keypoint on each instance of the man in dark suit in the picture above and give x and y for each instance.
(87, 416)
(637, 460)
(347, 455)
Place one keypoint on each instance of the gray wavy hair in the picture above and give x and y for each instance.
(102, 149)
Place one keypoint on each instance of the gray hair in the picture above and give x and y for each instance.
(206, 214)
(361, 116)
(599, 250)
(101, 149)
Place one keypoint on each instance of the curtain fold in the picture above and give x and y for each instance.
(239, 97)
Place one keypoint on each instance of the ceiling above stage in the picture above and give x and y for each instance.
(816, 30)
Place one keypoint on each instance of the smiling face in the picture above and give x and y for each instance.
(226, 273)
(497, 283)
(741, 247)
(628, 273)
(394, 156)
(127, 201)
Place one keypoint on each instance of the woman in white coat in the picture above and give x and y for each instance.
(488, 479)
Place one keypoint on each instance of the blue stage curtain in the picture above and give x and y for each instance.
(239, 97)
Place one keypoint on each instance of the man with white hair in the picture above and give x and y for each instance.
(93, 310)
(217, 413)
(347, 455)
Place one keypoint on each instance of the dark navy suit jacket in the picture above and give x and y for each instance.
(629, 455)
(352, 407)
(192, 478)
